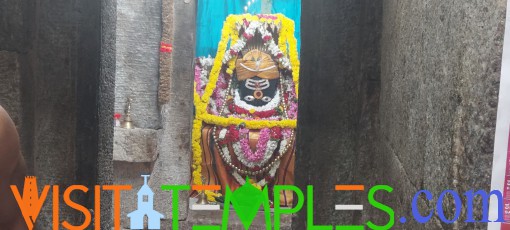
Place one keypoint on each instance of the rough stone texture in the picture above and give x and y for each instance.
(173, 163)
(14, 29)
(165, 59)
(10, 85)
(440, 70)
(426, 123)
(336, 59)
(15, 35)
(137, 73)
(106, 103)
(135, 145)
(55, 100)
(130, 173)
(138, 36)
(54, 48)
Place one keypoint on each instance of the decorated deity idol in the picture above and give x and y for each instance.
(246, 106)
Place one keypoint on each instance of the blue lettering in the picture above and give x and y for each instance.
(414, 205)
(440, 210)
(470, 195)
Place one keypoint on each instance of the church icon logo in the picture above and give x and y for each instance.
(145, 209)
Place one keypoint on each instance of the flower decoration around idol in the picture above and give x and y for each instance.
(218, 101)
(202, 67)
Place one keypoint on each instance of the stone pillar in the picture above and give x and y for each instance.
(176, 98)
(105, 104)
(15, 68)
(137, 60)
(55, 69)
(440, 70)
(136, 41)
(339, 70)
(50, 59)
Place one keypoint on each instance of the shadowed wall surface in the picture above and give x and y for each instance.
(440, 70)
(402, 93)
(339, 59)
(428, 123)
(56, 81)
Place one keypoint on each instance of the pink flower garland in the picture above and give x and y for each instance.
(287, 133)
(293, 110)
(217, 97)
(268, 16)
(200, 84)
(261, 144)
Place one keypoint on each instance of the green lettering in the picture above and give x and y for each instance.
(246, 201)
(382, 207)
(175, 201)
(309, 210)
(278, 210)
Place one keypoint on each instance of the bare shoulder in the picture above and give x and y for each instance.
(12, 168)
(5, 119)
(9, 143)
(7, 126)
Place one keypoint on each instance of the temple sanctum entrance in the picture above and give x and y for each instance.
(221, 95)
(246, 100)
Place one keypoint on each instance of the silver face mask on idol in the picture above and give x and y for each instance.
(257, 86)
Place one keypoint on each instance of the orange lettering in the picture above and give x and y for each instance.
(116, 202)
(97, 208)
(56, 201)
(31, 203)
(85, 211)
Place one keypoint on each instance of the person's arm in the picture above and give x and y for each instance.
(12, 172)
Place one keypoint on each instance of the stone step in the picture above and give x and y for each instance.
(215, 217)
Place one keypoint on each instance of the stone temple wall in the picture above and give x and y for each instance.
(339, 71)
(14, 64)
(162, 107)
(55, 82)
(440, 70)
(138, 36)
(402, 93)
(137, 73)
(409, 92)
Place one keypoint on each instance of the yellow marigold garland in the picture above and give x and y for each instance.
(288, 30)
(250, 124)
(197, 152)
(230, 34)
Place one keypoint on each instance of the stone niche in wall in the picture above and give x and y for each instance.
(135, 151)
(137, 60)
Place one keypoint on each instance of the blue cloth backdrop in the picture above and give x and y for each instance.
(212, 13)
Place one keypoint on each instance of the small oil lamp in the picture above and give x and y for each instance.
(128, 121)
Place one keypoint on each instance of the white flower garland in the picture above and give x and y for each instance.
(271, 147)
(222, 134)
(206, 63)
(270, 44)
(262, 182)
(225, 153)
